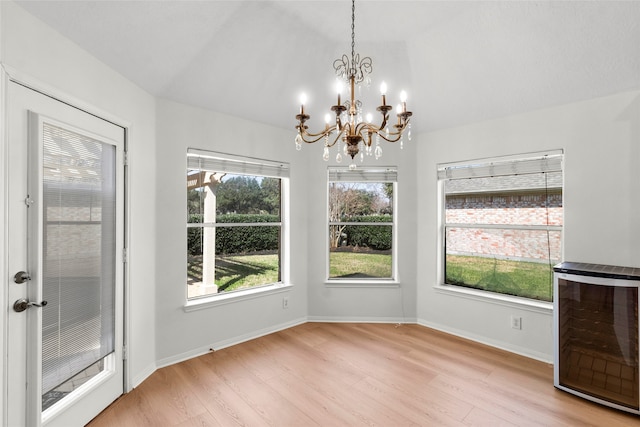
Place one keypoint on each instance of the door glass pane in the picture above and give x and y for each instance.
(78, 272)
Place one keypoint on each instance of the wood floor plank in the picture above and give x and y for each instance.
(315, 400)
(311, 365)
(330, 374)
(476, 393)
(478, 417)
(274, 408)
(222, 403)
(202, 420)
(416, 410)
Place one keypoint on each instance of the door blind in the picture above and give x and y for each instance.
(78, 265)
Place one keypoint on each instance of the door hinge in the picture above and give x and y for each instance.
(125, 156)
(125, 354)
(124, 255)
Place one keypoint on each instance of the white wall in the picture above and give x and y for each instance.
(601, 141)
(363, 302)
(185, 334)
(41, 56)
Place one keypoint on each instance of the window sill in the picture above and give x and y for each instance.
(498, 299)
(362, 284)
(233, 297)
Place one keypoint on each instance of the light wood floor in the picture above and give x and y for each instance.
(326, 374)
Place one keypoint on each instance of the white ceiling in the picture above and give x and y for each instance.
(459, 61)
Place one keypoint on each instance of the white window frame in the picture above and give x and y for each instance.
(489, 167)
(362, 175)
(242, 165)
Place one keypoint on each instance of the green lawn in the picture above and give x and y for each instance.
(236, 272)
(525, 279)
(360, 265)
(245, 271)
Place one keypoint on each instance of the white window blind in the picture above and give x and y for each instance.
(219, 162)
(536, 164)
(383, 174)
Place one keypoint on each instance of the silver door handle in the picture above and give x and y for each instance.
(22, 304)
(21, 277)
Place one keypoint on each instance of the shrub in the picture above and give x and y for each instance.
(374, 237)
(194, 235)
(233, 240)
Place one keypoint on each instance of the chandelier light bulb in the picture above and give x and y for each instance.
(327, 118)
(303, 100)
(369, 117)
(398, 108)
(403, 99)
(383, 92)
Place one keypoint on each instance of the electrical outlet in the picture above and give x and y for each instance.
(285, 302)
(516, 322)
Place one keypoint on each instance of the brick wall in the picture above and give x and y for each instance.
(531, 208)
(73, 241)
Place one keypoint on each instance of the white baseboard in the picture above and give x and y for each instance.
(141, 376)
(334, 319)
(526, 352)
(227, 343)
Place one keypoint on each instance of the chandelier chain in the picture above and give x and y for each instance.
(353, 37)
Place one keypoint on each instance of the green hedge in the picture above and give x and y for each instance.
(233, 240)
(194, 240)
(374, 237)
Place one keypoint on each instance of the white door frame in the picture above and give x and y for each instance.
(8, 75)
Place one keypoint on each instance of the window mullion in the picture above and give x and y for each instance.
(505, 226)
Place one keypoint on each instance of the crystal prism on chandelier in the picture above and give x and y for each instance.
(354, 134)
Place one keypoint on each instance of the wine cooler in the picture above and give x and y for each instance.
(596, 333)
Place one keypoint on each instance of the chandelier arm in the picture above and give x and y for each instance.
(368, 126)
(312, 137)
(384, 122)
(309, 137)
(370, 130)
(393, 136)
(395, 139)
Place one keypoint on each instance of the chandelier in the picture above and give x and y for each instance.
(357, 135)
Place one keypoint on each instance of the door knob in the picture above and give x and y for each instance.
(21, 277)
(22, 304)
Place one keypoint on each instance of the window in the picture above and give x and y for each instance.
(361, 224)
(503, 224)
(234, 223)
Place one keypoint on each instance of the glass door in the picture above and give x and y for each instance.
(65, 320)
